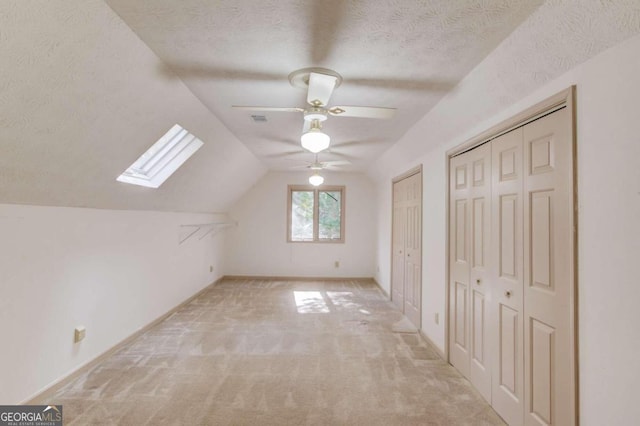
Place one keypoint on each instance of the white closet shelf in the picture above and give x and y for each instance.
(189, 230)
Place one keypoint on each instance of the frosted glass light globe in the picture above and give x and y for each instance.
(316, 179)
(315, 141)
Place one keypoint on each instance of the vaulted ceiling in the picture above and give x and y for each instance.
(87, 86)
(404, 54)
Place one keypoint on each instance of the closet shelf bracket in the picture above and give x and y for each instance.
(201, 230)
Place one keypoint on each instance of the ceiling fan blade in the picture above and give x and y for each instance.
(362, 112)
(361, 142)
(285, 155)
(332, 152)
(264, 108)
(327, 17)
(320, 88)
(336, 168)
(337, 163)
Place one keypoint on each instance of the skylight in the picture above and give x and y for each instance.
(162, 159)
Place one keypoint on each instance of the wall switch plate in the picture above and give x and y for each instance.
(336, 264)
(437, 318)
(210, 268)
(79, 334)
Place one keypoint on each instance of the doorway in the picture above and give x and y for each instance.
(406, 247)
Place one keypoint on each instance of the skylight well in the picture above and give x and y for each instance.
(162, 159)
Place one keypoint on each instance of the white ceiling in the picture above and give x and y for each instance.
(555, 38)
(86, 86)
(81, 100)
(404, 54)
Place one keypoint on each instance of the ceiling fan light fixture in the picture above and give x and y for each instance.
(319, 114)
(315, 141)
(316, 180)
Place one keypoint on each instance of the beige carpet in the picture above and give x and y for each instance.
(277, 353)
(404, 326)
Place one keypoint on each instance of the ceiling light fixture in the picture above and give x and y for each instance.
(314, 139)
(316, 180)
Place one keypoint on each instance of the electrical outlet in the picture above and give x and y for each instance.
(337, 264)
(437, 318)
(79, 334)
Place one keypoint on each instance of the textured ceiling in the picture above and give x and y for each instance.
(87, 86)
(558, 36)
(404, 54)
(80, 100)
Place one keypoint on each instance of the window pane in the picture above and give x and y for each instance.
(301, 215)
(329, 220)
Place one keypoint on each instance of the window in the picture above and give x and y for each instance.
(315, 215)
(162, 159)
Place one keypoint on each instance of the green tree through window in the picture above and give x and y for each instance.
(316, 214)
(329, 214)
(302, 215)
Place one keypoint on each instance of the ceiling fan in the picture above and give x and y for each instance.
(317, 165)
(320, 84)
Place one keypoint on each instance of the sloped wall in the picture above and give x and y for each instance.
(82, 97)
(110, 271)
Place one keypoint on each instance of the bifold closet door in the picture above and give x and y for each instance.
(459, 263)
(511, 259)
(549, 345)
(507, 276)
(534, 366)
(413, 248)
(398, 255)
(406, 278)
(469, 282)
(479, 261)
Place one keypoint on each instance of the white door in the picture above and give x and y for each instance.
(459, 264)
(398, 255)
(413, 248)
(406, 268)
(549, 347)
(511, 256)
(507, 276)
(469, 283)
(480, 286)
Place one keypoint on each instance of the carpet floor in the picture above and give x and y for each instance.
(267, 352)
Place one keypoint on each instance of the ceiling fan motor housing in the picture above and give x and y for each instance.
(300, 78)
(315, 113)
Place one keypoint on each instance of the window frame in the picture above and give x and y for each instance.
(316, 212)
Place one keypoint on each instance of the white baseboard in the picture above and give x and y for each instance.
(42, 396)
(433, 345)
(290, 278)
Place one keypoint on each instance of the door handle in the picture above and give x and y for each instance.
(478, 281)
(507, 293)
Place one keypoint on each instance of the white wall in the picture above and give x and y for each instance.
(258, 245)
(608, 139)
(111, 271)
